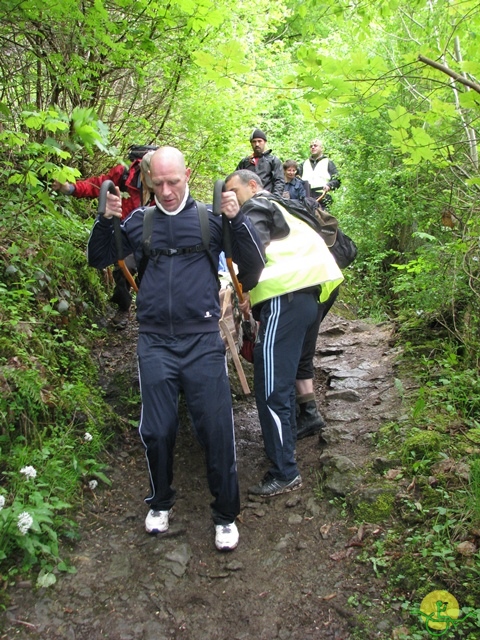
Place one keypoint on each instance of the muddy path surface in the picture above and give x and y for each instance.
(296, 570)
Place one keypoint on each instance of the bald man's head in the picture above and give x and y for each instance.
(169, 176)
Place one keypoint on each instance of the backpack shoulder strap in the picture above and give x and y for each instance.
(147, 229)
(146, 240)
(204, 226)
(123, 180)
(205, 231)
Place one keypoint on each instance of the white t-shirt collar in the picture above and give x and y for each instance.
(182, 204)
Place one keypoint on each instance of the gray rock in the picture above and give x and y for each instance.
(338, 472)
(336, 330)
(336, 463)
(345, 414)
(349, 373)
(295, 518)
(348, 395)
(361, 327)
(119, 567)
(313, 507)
(349, 383)
(178, 559)
(293, 501)
(284, 542)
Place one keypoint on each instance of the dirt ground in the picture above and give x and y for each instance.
(296, 573)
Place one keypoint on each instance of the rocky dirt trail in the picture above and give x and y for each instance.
(296, 569)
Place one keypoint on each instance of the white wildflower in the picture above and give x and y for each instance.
(30, 472)
(24, 523)
(2, 502)
(93, 484)
(88, 437)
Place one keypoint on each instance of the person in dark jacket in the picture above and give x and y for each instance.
(294, 187)
(267, 166)
(321, 174)
(285, 302)
(134, 182)
(179, 344)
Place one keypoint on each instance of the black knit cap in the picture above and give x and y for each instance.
(258, 133)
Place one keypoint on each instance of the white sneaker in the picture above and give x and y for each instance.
(157, 521)
(226, 536)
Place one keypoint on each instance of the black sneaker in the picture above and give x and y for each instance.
(271, 486)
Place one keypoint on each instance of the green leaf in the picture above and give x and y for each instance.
(471, 66)
(399, 117)
(102, 476)
(204, 59)
(4, 110)
(68, 568)
(472, 181)
(46, 579)
(33, 121)
(469, 99)
(424, 236)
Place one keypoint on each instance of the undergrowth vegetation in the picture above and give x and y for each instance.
(418, 265)
(53, 420)
(430, 540)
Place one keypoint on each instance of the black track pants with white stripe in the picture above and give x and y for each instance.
(195, 364)
(284, 321)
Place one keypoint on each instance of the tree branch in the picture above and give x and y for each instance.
(449, 72)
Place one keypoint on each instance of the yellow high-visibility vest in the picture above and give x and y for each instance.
(297, 261)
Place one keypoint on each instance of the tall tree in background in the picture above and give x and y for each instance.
(396, 85)
(136, 64)
(391, 86)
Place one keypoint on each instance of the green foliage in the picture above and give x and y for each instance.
(53, 419)
(201, 76)
(473, 495)
(451, 389)
(421, 444)
(429, 547)
(377, 511)
(32, 518)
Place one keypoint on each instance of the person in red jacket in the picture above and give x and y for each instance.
(135, 182)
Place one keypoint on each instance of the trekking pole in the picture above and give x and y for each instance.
(322, 195)
(218, 189)
(109, 187)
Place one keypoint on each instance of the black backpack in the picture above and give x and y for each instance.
(148, 252)
(137, 151)
(341, 246)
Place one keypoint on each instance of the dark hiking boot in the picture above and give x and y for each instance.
(309, 420)
(120, 319)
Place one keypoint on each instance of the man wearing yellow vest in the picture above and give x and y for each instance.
(300, 272)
